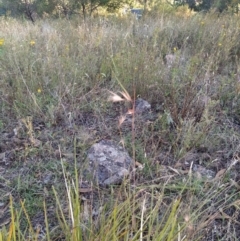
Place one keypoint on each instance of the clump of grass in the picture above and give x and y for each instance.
(152, 211)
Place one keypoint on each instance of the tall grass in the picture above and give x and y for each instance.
(55, 71)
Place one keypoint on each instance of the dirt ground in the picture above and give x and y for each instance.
(32, 150)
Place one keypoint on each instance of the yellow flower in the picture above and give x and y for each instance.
(32, 42)
(202, 23)
(1, 41)
(219, 44)
(39, 91)
(175, 49)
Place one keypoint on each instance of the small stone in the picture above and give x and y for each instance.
(47, 178)
(109, 163)
(141, 106)
(202, 172)
(141, 116)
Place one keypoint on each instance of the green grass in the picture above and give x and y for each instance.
(55, 78)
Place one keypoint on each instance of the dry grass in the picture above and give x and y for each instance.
(55, 81)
